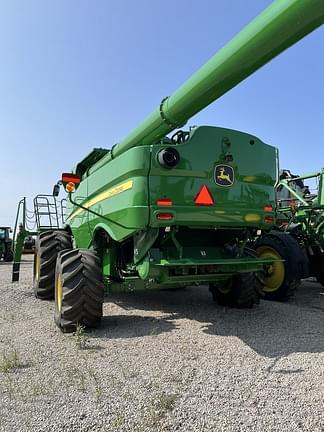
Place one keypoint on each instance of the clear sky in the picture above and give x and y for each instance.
(78, 74)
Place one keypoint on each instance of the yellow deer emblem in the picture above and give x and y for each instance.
(224, 175)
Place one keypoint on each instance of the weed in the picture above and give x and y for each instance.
(118, 422)
(37, 390)
(166, 402)
(152, 385)
(9, 361)
(160, 407)
(81, 340)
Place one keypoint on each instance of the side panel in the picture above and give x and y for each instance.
(118, 192)
(79, 222)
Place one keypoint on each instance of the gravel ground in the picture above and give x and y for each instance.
(164, 361)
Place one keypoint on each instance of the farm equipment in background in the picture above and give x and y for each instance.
(283, 278)
(29, 244)
(5, 244)
(301, 214)
(157, 212)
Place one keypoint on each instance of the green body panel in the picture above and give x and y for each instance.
(252, 190)
(135, 208)
(128, 209)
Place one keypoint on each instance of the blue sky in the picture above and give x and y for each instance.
(81, 74)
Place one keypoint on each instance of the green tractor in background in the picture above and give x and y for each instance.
(6, 244)
(158, 212)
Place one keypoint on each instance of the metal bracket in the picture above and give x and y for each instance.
(167, 121)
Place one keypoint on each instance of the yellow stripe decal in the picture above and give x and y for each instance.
(102, 196)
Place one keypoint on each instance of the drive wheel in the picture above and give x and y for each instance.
(48, 246)
(79, 290)
(282, 278)
(239, 291)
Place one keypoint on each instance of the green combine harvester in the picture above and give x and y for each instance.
(157, 211)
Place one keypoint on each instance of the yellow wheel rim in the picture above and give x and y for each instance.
(37, 267)
(59, 292)
(276, 272)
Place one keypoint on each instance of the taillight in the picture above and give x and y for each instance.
(166, 202)
(164, 216)
(268, 219)
(69, 177)
(268, 208)
(70, 181)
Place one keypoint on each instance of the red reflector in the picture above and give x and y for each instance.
(268, 219)
(268, 208)
(164, 202)
(204, 197)
(164, 216)
(68, 177)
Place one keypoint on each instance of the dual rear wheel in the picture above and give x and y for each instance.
(72, 276)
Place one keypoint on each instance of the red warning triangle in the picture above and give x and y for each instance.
(204, 197)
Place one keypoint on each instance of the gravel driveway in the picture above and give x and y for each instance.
(162, 361)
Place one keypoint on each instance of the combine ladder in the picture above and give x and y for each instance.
(48, 214)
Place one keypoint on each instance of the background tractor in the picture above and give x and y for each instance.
(157, 211)
(6, 244)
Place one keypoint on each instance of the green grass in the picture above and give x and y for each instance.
(9, 361)
(159, 408)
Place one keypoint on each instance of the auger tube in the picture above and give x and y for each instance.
(278, 27)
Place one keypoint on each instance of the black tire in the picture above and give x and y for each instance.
(316, 262)
(320, 278)
(9, 255)
(240, 291)
(283, 278)
(320, 272)
(48, 246)
(79, 290)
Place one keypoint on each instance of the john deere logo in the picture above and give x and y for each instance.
(224, 175)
